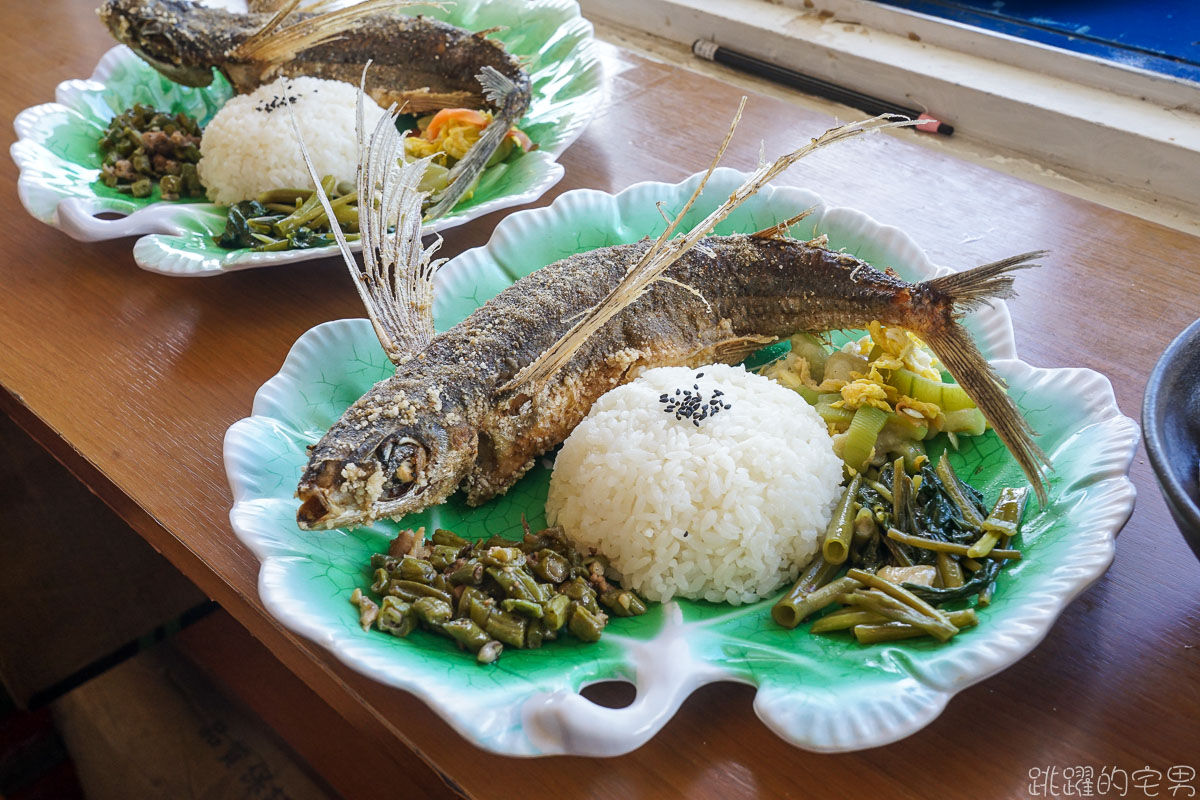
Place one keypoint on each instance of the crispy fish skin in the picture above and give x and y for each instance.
(445, 421)
(423, 62)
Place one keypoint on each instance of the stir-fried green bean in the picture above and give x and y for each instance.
(550, 566)
(507, 627)
(622, 602)
(415, 588)
(467, 633)
(142, 145)
(488, 594)
(585, 625)
(446, 538)
(396, 617)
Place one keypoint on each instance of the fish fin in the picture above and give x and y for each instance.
(731, 351)
(665, 251)
(396, 280)
(779, 230)
(273, 45)
(502, 92)
(980, 285)
(954, 346)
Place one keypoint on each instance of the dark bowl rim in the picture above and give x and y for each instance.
(1171, 486)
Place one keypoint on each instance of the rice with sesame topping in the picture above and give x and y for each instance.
(249, 147)
(710, 484)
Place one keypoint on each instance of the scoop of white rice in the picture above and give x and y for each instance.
(725, 511)
(250, 147)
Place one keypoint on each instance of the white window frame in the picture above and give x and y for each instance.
(1078, 115)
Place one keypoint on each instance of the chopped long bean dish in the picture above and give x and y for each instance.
(143, 147)
(492, 593)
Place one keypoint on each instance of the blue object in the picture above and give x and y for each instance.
(1162, 36)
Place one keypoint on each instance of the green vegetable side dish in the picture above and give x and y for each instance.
(909, 541)
(285, 219)
(294, 219)
(492, 592)
(872, 399)
(142, 146)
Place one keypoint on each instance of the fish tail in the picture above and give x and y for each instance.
(504, 94)
(275, 43)
(952, 344)
(972, 288)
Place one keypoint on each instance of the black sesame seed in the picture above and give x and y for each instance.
(699, 374)
(728, 406)
(717, 393)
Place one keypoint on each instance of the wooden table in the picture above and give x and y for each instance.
(131, 380)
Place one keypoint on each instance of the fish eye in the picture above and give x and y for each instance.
(403, 463)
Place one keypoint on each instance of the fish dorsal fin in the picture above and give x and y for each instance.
(272, 44)
(497, 89)
(396, 280)
(665, 251)
(780, 230)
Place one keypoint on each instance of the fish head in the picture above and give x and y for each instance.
(174, 37)
(386, 457)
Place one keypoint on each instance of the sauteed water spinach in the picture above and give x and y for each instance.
(912, 543)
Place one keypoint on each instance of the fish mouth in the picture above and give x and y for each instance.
(391, 481)
(155, 42)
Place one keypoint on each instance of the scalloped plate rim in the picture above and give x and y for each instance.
(1115, 501)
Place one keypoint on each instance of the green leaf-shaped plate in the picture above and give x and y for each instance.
(59, 159)
(819, 692)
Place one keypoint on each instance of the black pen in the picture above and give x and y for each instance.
(711, 51)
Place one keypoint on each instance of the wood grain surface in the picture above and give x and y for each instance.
(131, 379)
